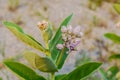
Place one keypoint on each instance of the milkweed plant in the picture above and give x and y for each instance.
(56, 50)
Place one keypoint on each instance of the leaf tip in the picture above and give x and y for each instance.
(4, 22)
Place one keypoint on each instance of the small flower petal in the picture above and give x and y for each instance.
(64, 29)
(69, 28)
(60, 46)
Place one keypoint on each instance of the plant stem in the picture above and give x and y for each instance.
(53, 76)
(60, 57)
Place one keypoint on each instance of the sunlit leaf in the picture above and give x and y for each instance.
(42, 63)
(30, 57)
(18, 32)
(45, 64)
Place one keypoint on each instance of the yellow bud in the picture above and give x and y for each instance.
(46, 31)
(42, 25)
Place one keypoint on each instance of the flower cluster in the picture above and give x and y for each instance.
(71, 37)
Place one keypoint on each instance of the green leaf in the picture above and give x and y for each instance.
(47, 34)
(1, 79)
(103, 74)
(60, 76)
(45, 64)
(64, 56)
(23, 71)
(42, 63)
(18, 32)
(115, 56)
(58, 39)
(82, 71)
(55, 53)
(113, 70)
(117, 7)
(113, 37)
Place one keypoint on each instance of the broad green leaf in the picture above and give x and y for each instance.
(113, 37)
(115, 56)
(113, 71)
(23, 71)
(42, 63)
(45, 64)
(117, 7)
(103, 74)
(82, 71)
(60, 76)
(18, 32)
(58, 39)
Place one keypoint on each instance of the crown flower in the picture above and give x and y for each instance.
(71, 37)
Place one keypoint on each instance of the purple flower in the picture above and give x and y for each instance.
(71, 38)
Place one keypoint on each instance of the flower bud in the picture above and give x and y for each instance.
(81, 33)
(64, 29)
(42, 25)
(59, 46)
(46, 30)
(69, 28)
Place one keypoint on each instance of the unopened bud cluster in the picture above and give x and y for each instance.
(42, 25)
(71, 37)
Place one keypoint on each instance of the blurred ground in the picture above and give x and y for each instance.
(93, 23)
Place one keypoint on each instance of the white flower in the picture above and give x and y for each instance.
(64, 37)
(64, 29)
(69, 37)
(69, 28)
(60, 46)
(81, 33)
(76, 31)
